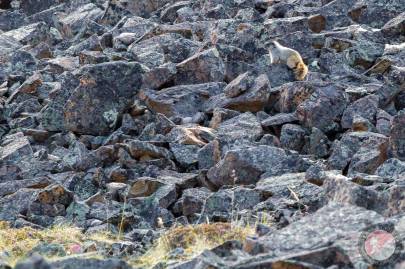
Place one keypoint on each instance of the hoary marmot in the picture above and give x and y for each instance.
(290, 57)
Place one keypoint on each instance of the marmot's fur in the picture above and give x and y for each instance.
(290, 57)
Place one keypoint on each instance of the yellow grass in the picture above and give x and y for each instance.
(194, 239)
(19, 242)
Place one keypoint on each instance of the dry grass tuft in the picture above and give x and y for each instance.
(16, 244)
(194, 239)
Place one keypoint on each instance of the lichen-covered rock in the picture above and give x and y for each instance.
(243, 98)
(392, 168)
(323, 108)
(244, 127)
(96, 104)
(358, 145)
(206, 66)
(365, 107)
(183, 101)
(288, 185)
(397, 138)
(333, 224)
(31, 34)
(292, 137)
(48, 204)
(15, 147)
(137, 116)
(246, 165)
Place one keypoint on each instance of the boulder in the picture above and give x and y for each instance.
(323, 108)
(182, 101)
(105, 91)
(205, 66)
(246, 165)
(397, 135)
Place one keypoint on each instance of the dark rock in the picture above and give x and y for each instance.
(15, 147)
(206, 66)
(34, 262)
(331, 225)
(52, 115)
(365, 107)
(355, 149)
(90, 110)
(289, 185)
(252, 98)
(322, 108)
(48, 204)
(13, 205)
(184, 101)
(193, 200)
(247, 164)
(392, 168)
(292, 137)
(397, 139)
(90, 264)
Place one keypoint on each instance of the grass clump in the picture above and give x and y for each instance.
(17, 243)
(193, 239)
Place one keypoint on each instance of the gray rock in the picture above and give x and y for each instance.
(72, 23)
(392, 168)
(34, 262)
(322, 108)
(397, 139)
(90, 110)
(334, 224)
(253, 98)
(359, 145)
(183, 101)
(288, 185)
(292, 137)
(185, 155)
(31, 34)
(246, 165)
(318, 143)
(15, 147)
(363, 11)
(71, 263)
(279, 119)
(340, 189)
(206, 66)
(244, 127)
(209, 155)
(365, 107)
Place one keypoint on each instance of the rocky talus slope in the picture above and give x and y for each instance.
(137, 116)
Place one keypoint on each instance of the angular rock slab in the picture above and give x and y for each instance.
(105, 90)
(246, 165)
(397, 139)
(334, 224)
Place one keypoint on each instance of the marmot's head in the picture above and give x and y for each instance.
(301, 71)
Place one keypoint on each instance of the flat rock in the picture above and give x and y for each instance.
(246, 165)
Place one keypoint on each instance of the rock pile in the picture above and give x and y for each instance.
(131, 113)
